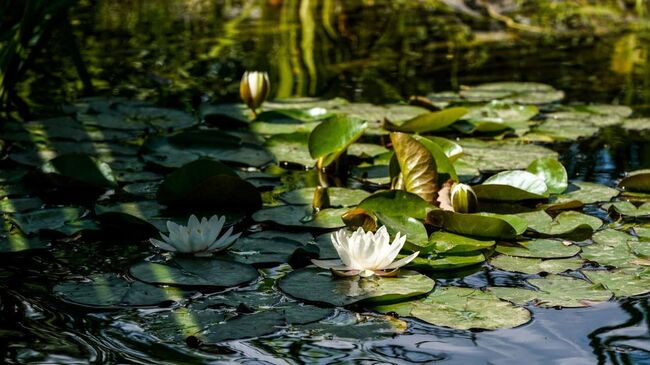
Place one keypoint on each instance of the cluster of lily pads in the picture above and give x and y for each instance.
(463, 179)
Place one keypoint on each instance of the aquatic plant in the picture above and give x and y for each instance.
(366, 253)
(198, 237)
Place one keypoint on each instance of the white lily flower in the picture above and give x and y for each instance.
(199, 238)
(366, 253)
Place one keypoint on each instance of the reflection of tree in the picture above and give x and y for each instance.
(610, 344)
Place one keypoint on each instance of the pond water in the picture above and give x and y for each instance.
(184, 54)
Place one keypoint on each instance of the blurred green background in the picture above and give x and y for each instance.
(181, 52)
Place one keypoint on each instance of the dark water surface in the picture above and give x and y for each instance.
(181, 53)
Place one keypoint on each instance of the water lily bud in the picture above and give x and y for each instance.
(463, 198)
(254, 88)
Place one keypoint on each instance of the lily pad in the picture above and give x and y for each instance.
(494, 156)
(542, 248)
(636, 181)
(463, 309)
(194, 272)
(15, 241)
(486, 225)
(449, 243)
(552, 172)
(628, 209)
(338, 197)
(264, 252)
(81, 169)
(316, 285)
(569, 224)
(534, 265)
(52, 219)
(446, 261)
(208, 184)
(581, 193)
(396, 202)
(512, 186)
(430, 122)
(290, 148)
(301, 216)
(497, 116)
(111, 291)
(556, 291)
(516, 92)
(614, 248)
(623, 283)
(330, 138)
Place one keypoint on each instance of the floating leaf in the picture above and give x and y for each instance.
(446, 261)
(430, 122)
(80, 168)
(613, 248)
(636, 181)
(627, 209)
(449, 243)
(208, 184)
(493, 156)
(194, 272)
(556, 291)
(516, 92)
(338, 197)
(396, 202)
(414, 230)
(330, 138)
(552, 172)
(417, 165)
(52, 219)
(301, 216)
(111, 291)
(623, 283)
(315, 285)
(543, 249)
(534, 265)
(512, 186)
(266, 252)
(463, 309)
(17, 242)
(569, 224)
(486, 225)
(290, 148)
(497, 116)
(581, 193)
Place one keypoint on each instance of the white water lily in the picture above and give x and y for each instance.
(366, 253)
(199, 238)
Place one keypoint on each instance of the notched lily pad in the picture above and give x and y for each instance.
(111, 291)
(338, 197)
(542, 248)
(319, 286)
(463, 309)
(534, 265)
(194, 272)
(556, 291)
(301, 216)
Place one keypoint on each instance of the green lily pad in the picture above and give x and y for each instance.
(396, 202)
(568, 224)
(614, 248)
(623, 283)
(628, 209)
(301, 216)
(111, 291)
(430, 122)
(493, 156)
(52, 219)
(264, 252)
(497, 116)
(194, 272)
(332, 137)
(534, 266)
(463, 309)
(319, 286)
(17, 242)
(80, 168)
(338, 197)
(180, 149)
(208, 184)
(8, 205)
(542, 249)
(515, 92)
(636, 181)
(352, 326)
(552, 172)
(449, 243)
(556, 291)
(414, 230)
(290, 148)
(486, 225)
(581, 193)
(446, 261)
(636, 124)
(512, 186)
